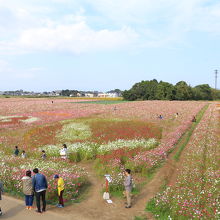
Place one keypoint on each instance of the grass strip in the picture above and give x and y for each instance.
(102, 102)
(186, 137)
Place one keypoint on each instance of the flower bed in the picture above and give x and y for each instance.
(195, 194)
(13, 169)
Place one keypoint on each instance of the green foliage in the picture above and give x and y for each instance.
(68, 92)
(215, 94)
(183, 91)
(152, 90)
(75, 157)
(165, 91)
(203, 92)
(160, 212)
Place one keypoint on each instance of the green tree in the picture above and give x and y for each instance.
(183, 91)
(165, 91)
(203, 92)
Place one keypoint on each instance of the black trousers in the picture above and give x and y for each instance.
(61, 198)
(41, 195)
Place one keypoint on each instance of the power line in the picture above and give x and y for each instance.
(216, 78)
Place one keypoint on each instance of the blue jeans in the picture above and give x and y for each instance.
(29, 200)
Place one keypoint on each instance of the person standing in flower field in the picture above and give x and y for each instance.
(63, 152)
(43, 156)
(16, 151)
(60, 188)
(128, 187)
(23, 154)
(39, 183)
(28, 190)
(1, 191)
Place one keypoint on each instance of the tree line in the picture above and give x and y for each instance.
(154, 90)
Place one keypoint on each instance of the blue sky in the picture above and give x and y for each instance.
(105, 44)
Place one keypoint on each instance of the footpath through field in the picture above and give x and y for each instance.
(94, 207)
(14, 209)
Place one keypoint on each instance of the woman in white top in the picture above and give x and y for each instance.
(63, 152)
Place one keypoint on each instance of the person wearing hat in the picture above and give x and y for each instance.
(60, 188)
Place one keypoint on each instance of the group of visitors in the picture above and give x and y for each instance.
(63, 153)
(37, 185)
(162, 117)
(17, 151)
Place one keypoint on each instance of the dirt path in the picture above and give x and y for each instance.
(94, 207)
(14, 209)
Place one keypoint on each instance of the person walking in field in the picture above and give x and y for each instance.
(28, 190)
(63, 152)
(60, 189)
(16, 151)
(128, 187)
(1, 191)
(39, 183)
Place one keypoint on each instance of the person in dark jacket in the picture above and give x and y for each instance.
(39, 183)
(1, 191)
(16, 151)
(28, 190)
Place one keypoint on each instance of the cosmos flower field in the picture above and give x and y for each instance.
(111, 136)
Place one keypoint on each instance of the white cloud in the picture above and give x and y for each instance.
(30, 26)
(76, 38)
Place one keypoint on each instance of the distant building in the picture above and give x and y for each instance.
(102, 95)
(113, 95)
(108, 95)
(90, 95)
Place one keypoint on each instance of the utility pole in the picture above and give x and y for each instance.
(216, 78)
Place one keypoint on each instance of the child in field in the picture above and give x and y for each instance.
(1, 191)
(28, 190)
(43, 156)
(23, 154)
(16, 151)
(60, 188)
(160, 117)
(194, 119)
(63, 152)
